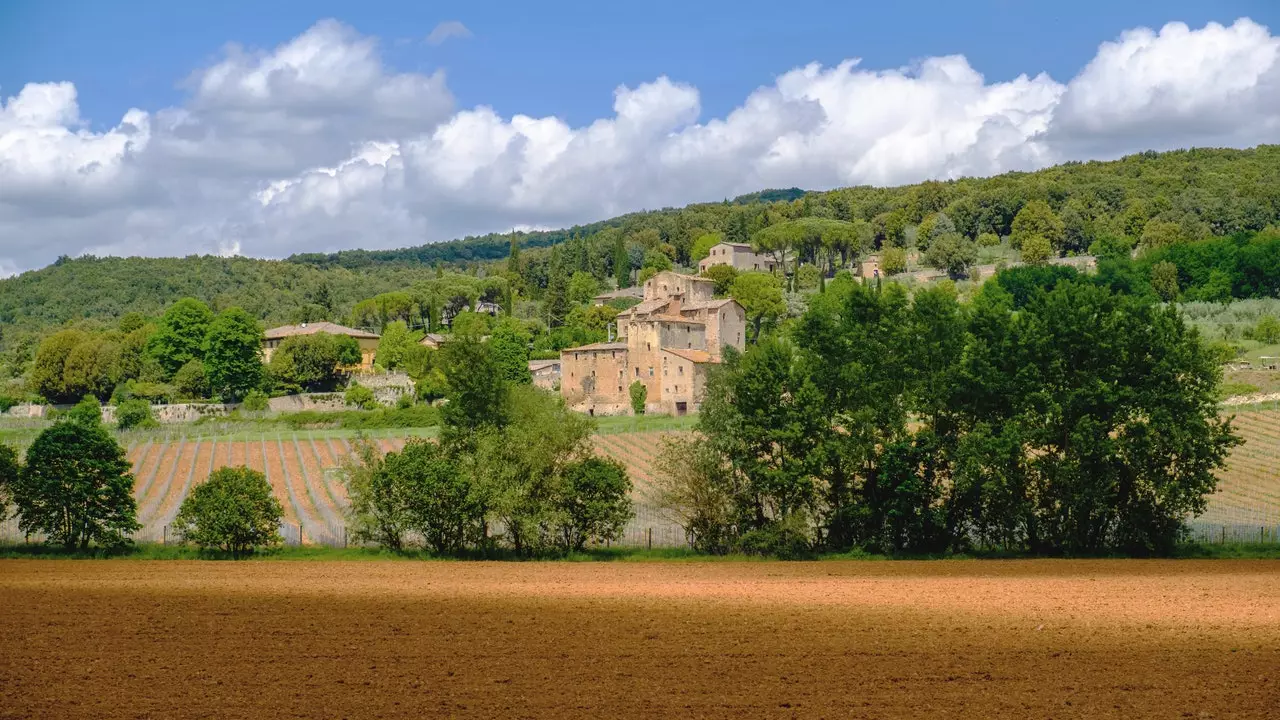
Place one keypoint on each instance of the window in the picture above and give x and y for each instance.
(619, 389)
(620, 374)
(637, 372)
(679, 369)
(650, 371)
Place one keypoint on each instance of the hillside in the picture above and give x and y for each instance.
(1148, 197)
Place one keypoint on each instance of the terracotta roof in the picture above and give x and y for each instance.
(623, 293)
(285, 331)
(705, 304)
(698, 356)
(429, 338)
(536, 365)
(597, 346)
(647, 307)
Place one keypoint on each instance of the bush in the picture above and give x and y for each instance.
(190, 381)
(404, 402)
(255, 401)
(639, 395)
(1267, 330)
(786, 539)
(233, 511)
(361, 397)
(1036, 250)
(893, 261)
(987, 239)
(134, 413)
(808, 277)
(595, 502)
(6, 403)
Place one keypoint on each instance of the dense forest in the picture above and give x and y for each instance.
(1195, 217)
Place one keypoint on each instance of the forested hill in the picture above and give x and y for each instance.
(1149, 198)
(495, 246)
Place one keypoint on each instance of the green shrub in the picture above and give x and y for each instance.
(1267, 330)
(785, 539)
(134, 413)
(404, 402)
(361, 397)
(6, 402)
(255, 401)
(808, 277)
(233, 511)
(893, 261)
(987, 239)
(639, 395)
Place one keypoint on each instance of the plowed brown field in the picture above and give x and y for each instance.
(1122, 639)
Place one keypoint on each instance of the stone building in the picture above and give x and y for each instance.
(368, 341)
(667, 342)
(739, 256)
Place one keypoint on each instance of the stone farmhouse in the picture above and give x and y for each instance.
(368, 341)
(667, 342)
(545, 373)
(739, 256)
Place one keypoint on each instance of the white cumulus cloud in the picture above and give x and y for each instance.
(447, 30)
(318, 144)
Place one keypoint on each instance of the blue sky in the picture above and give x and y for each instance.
(565, 58)
(268, 128)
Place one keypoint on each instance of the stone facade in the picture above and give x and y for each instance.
(546, 373)
(739, 256)
(667, 342)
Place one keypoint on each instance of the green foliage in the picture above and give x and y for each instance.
(893, 261)
(988, 239)
(645, 274)
(1025, 282)
(404, 401)
(1037, 220)
(656, 261)
(135, 413)
(695, 487)
(255, 401)
(702, 246)
(808, 277)
(76, 488)
(477, 395)
(760, 295)
(233, 511)
(10, 474)
(1267, 330)
(441, 504)
(180, 334)
(360, 396)
(86, 412)
(1164, 280)
(48, 370)
(191, 381)
(594, 503)
(1036, 250)
(953, 253)
(639, 396)
(509, 346)
(312, 362)
(233, 355)
(396, 345)
(379, 510)
(723, 275)
(472, 323)
(1160, 233)
(582, 287)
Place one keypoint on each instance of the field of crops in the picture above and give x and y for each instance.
(301, 467)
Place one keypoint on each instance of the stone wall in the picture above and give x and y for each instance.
(319, 402)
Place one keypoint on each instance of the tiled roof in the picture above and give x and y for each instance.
(698, 356)
(536, 365)
(432, 338)
(631, 292)
(647, 307)
(285, 331)
(705, 304)
(597, 346)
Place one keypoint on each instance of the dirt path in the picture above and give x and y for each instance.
(1122, 639)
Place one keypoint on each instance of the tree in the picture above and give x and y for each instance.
(313, 361)
(657, 261)
(86, 412)
(595, 502)
(694, 487)
(513, 255)
(702, 246)
(233, 354)
(47, 376)
(233, 511)
(556, 301)
(191, 381)
(1037, 219)
(180, 335)
(361, 397)
(760, 295)
(1164, 280)
(441, 503)
(135, 413)
(380, 507)
(509, 345)
(77, 488)
(477, 393)
(582, 287)
(10, 472)
(92, 367)
(1267, 330)
(893, 261)
(723, 275)
(621, 264)
(1160, 233)
(953, 253)
(639, 396)
(1036, 250)
(395, 345)
(808, 277)
(988, 239)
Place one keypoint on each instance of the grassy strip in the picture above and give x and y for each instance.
(156, 551)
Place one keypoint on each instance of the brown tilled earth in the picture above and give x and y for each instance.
(116, 639)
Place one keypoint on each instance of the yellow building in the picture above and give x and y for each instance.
(368, 341)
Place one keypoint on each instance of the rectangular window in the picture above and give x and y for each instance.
(650, 371)
(637, 372)
(680, 370)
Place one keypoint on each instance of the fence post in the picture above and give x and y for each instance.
(164, 535)
(1224, 534)
(650, 534)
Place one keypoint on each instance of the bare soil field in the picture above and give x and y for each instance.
(1124, 639)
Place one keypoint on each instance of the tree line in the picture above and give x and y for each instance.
(1073, 419)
